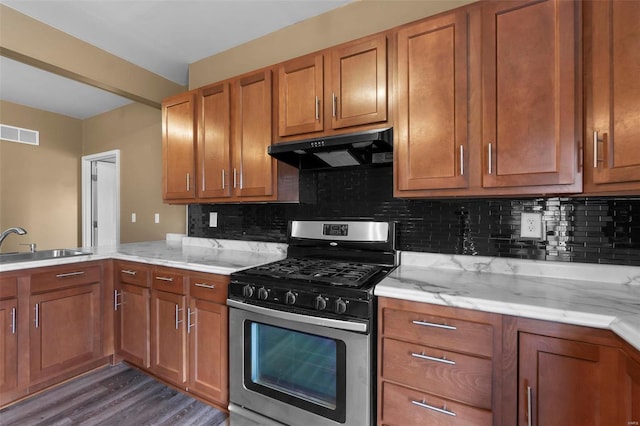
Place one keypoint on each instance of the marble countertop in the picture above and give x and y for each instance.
(601, 296)
(195, 254)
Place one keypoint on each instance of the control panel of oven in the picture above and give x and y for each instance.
(294, 299)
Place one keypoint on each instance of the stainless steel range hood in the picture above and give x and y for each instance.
(353, 149)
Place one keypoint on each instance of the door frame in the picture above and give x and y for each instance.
(87, 160)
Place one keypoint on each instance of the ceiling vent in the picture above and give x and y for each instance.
(17, 134)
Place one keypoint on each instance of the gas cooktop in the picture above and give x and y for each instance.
(332, 272)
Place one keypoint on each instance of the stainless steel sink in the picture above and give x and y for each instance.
(39, 255)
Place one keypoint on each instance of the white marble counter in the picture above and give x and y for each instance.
(196, 254)
(601, 296)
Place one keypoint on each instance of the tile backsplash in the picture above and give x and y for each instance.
(591, 230)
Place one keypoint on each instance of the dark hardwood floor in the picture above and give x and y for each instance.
(114, 395)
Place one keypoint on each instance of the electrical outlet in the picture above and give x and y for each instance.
(213, 219)
(531, 225)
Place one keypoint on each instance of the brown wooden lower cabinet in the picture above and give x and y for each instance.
(65, 320)
(169, 337)
(630, 388)
(564, 382)
(9, 345)
(132, 324)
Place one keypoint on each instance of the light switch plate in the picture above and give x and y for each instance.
(156, 218)
(213, 219)
(531, 225)
(133, 218)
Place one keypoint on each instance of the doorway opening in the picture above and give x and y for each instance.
(101, 199)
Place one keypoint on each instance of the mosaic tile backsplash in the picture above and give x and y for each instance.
(590, 230)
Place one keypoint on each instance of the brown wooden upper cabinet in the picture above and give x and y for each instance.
(528, 99)
(486, 101)
(431, 129)
(215, 143)
(612, 96)
(178, 150)
(345, 86)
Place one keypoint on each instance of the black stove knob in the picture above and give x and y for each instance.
(320, 304)
(341, 306)
(248, 290)
(289, 298)
(263, 294)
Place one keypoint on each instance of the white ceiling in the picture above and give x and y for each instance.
(162, 36)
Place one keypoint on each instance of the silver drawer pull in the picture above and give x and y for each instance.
(203, 285)
(431, 407)
(431, 358)
(128, 272)
(433, 324)
(70, 274)
(165, 279)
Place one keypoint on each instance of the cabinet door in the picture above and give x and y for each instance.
(178, 147)
(208, 363)
(432, 104)
(168, 337)
(132, 317)
(563, 382)
(214, 161)
(300, 89)
(8, 345)
(630, 391)
(612, 95)
(66, 329)
(253, 167)
(359, 83)
(528, 99)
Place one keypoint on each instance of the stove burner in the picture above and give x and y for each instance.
(318, 270)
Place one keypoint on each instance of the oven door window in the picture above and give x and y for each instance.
(300, 369)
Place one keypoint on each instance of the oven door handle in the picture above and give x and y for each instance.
(307, 319)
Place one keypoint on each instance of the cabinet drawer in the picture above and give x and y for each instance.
(170, 280)
(442, 332)
(406, 407)
(449, 374)
(133, 273)
(8, 287)
(209, 287)
(65, 276)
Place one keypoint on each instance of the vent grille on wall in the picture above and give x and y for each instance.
(17, 134)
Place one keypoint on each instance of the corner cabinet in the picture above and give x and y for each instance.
(178, 149)
(344, 87)
(612, 93)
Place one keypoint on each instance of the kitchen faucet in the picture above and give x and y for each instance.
(16, 230)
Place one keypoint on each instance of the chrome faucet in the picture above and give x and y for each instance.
(16, 230)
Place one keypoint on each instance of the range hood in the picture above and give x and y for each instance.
(353, 149)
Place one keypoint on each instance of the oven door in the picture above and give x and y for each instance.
(292, 369)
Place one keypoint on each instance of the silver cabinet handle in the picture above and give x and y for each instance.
(235, 177)
(595, 149)
(37, 321)
(188, 186)
(128, 272)
(13, 320)
(529, 420)
(178, 316)
(433, 324)
(115, 300)
(317, 108)
(204, 180)
(168, 279)
(222, 178)
(431, 358)
(461, 160)
(70, 274)
(203, 285)
(490, 159)
(189, 324)
(431, 407)
(334, 107)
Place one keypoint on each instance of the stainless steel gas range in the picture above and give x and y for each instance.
(301, 330)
